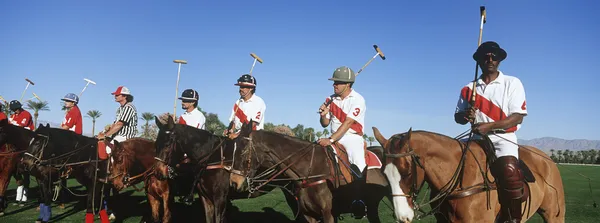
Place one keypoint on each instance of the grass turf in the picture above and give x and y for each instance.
(273, 207)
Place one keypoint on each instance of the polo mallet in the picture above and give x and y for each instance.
(88, 83)
(177, 86)
(36, 96)
(2, 99)
(28, 83)
(483, 20)
(256, 58)
(379, 53)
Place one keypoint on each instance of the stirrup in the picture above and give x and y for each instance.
(358, 209)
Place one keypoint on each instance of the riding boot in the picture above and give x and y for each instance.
(510, 186)
(358, 208)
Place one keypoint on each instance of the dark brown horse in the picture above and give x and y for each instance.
(133, 162)
(322, 191)
(209, 159)
(457, 174)
(54, 150)
(13, 142)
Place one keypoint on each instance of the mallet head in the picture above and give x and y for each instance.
(256, 57)
(379, 51)
(482, 13)
(31, 82)
(89, 81)
(180, 61)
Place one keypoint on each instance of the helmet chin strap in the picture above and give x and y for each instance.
(341, 93)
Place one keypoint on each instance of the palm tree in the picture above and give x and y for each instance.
(93, 114)
(371, 139)
(325, 132)
(37, 106)
(6, 109)
(147, 116)
(319, 134)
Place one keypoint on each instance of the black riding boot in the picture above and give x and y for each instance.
(509, 181)
(358, 208)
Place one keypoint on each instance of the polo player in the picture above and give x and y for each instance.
(192, 116)
(21, 117)
(124, 127)
(499, 110)
(74, 122)
(346, 114)
(250, 107)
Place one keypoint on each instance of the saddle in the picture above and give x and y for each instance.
(490, 152)
(341, 168)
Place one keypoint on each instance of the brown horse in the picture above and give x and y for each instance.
(322, 191)
(457, 174)
(14, 140)
(133, 162)
(208, 160)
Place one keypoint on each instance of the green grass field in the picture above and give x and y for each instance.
(273, 208)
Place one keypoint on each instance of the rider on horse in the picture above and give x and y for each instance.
(124, 127)
(74, 122)
(345, 111)
(498, 112)
(21, 117)
(192, 116)
(248, 107)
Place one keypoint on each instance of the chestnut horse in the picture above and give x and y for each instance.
(133, 162)
(322, 192)
(457, 174)
(13, 142)
(209, 157)
(54, 150)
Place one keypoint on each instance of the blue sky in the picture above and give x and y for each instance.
(428, 45)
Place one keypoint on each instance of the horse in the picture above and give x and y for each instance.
(54, 152)
(14, 140)
(457, 175)
(135, 157)
(322, 192)
(209, 157)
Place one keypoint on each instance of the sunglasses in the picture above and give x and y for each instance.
(487, 57)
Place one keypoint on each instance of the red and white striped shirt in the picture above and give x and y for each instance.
(244, 111)
(353, 106)
(495, 101)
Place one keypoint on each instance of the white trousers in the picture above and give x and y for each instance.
(505, 144)
(118, 139)
(355, 147)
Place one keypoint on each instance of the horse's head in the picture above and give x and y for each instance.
(401, 169)
(166, 147)
(245, 159)
(123, 158)
(38, 147)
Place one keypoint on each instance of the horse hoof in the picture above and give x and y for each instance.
(112, 217)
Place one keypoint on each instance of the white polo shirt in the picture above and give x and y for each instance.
(353, 106)
(495, 101)
(195, 119)
(244, 111)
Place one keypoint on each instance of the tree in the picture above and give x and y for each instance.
(319, 134)
(326, 132)
(37, 106)
(371, 139)
(552, 152)
(93, 114)
(6, 109)
(299, 131)
(269, 126)
(593, 154)
(560, 156)
(147, 131)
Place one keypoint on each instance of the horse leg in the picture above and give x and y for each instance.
(164, 188)
(373, 206)
(551, 210)
(209, 208)
(154, 206)
(45, 211)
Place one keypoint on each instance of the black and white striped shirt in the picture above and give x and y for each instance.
(128, 115)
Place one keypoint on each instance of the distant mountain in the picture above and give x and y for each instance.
(548, 143)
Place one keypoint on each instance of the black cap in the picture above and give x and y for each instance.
(489, 47)
(189, 95)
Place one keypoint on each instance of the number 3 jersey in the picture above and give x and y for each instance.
(353, 106)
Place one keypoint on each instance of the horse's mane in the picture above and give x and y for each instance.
(284, 136)
(163, 118)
